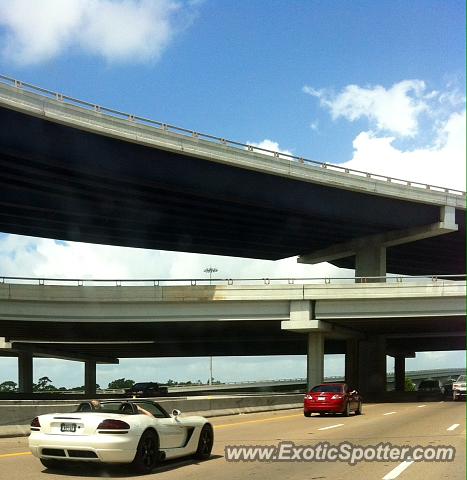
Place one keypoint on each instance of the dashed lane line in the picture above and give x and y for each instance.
(331, 426)
(395, 472)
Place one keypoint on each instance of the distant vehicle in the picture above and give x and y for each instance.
(458, 388)
(146, 389)
(430, 388)
(332, 398)
(448, 388)
(140, 433)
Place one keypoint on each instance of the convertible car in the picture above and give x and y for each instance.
(136, 432)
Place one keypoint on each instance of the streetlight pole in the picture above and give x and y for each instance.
(210, 271)
(210, 370)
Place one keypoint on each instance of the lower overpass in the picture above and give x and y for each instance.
(103, 321)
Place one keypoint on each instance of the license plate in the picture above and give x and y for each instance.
(321, 398)
(68, 427)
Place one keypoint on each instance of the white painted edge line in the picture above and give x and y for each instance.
(394, 473)
(331, 426)
(421, 406)
(389, 413)
(453, 427)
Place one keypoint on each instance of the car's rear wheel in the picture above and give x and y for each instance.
(52, 463)
(307, 414)
(359, 409)
(346, 411)
(147, 453)
(205, 443)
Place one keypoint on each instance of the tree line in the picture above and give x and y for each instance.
(44, 384)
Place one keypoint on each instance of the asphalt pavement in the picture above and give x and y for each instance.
(427, 424)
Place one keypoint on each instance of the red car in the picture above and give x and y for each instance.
(332, 398)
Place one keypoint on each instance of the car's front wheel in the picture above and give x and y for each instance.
(205, 443)
(147, 453)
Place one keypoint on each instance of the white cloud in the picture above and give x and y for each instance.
(116, 30)
(394, 110)
(270, 145)
(314, 125)
(433, 151)
(30, 256)
(441, 164)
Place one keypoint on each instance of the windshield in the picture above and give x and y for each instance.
(461, 378)
(327, 388)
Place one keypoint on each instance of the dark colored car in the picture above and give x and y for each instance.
(430, 388)
(146, 389)
(332, 398)
(447, 386)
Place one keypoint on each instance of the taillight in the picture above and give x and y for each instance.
(110, 424)
(338, 396)
(35, 424)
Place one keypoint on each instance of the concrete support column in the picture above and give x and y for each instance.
(399, 372)
(315, 359)
(371, 262)
(351, 363)
(25, 372)
(372, 366)
(90, 378)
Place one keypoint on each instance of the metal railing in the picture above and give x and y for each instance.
(166, 282)
(132, 119)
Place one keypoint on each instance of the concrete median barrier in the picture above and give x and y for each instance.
(16, 415)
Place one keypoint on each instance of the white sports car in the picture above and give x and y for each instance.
(136, 432)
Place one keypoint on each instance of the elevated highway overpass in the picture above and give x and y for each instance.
(103, 323)
(72, 170)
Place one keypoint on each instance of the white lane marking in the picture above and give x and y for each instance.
(331, 426)
(421, 406)
(453, 427)
(389, 413)
(394, 473)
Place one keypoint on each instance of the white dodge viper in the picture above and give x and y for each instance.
(136, 432)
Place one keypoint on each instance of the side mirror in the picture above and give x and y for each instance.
(175, 412)
(353, 392)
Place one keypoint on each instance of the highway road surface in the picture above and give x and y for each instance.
(428, 424)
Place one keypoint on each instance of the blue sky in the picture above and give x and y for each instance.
(379, 86)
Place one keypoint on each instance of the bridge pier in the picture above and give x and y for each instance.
(351, 362)
(315, 359)
(370, 261)
(399, 373)
(399, 369)
(90, 378)
(372, 365)
(25, 372)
